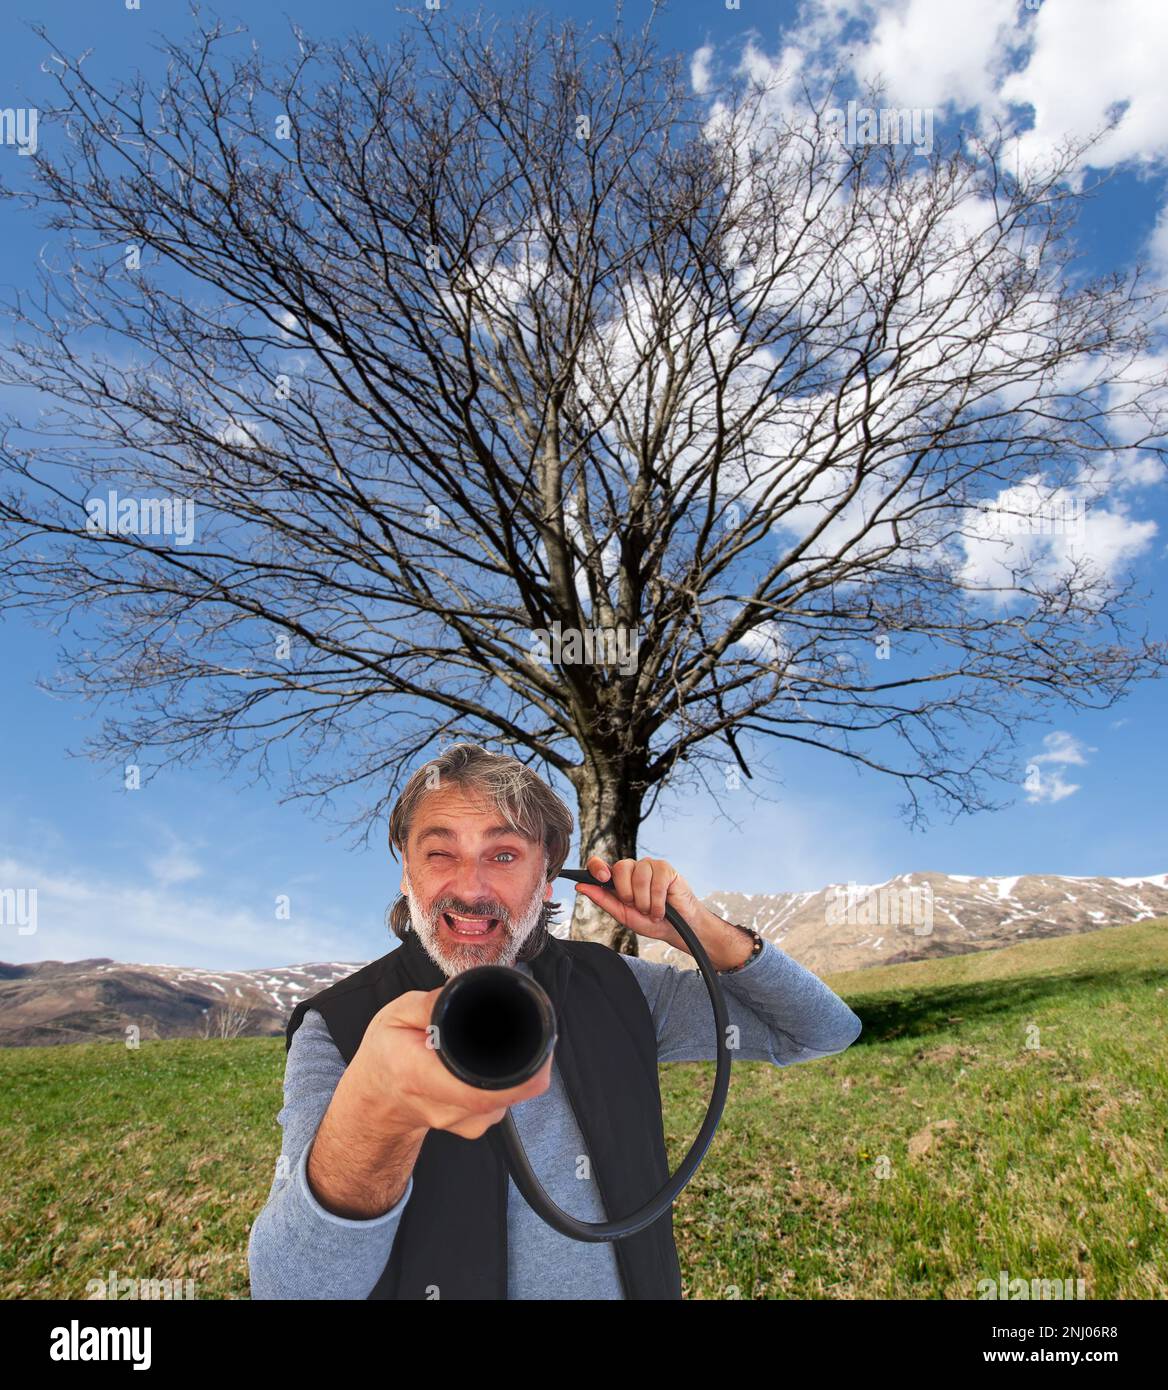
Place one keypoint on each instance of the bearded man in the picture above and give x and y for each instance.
(389, 1185)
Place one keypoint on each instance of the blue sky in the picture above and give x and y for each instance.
(187, 869)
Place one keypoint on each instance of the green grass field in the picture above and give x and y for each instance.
(1000, 1111)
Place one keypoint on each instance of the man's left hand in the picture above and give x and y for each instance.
(636, 893)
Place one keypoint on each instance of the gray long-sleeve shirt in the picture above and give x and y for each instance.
(298, 1249)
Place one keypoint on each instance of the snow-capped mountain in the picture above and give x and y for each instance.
(914, 916)
(78, 1001)
(840, 927)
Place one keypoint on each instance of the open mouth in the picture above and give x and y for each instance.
(470, 928)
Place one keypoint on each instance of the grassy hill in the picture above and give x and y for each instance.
(1004, 1110)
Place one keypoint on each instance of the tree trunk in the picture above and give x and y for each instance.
(610, 815)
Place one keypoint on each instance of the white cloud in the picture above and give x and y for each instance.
(1068, 65)
(940, 55)
(1087, 62)
(766, 643)
(237, 435)
(1062, 747)
(983, 58)
(1045, 788)
(1157, 247)
(80, 916)
(1045, 783)
(1001, 554)
(177, 865)
(1063, 70)
(699, 71)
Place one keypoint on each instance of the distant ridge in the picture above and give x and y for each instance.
(837, 928)
(79, 1001)
(848, 927)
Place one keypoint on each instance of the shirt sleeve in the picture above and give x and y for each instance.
(783, 1012)
(297, 1248)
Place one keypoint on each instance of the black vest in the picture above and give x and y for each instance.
(453, 1232)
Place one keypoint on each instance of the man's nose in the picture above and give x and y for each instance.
(472, 886)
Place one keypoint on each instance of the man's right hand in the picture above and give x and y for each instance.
(394, 1091)
(406, 1083)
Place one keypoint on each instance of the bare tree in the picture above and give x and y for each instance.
(486, 357)
(228, 1019)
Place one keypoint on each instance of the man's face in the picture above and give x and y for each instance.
(476, 889)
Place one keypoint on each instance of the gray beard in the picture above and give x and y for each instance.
(467, 956)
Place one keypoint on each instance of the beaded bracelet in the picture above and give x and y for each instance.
(754, 950)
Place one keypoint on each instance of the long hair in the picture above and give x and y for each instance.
(524, 801)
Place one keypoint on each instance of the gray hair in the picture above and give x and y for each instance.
(523, 799)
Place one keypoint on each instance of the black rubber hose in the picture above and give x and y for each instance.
(506, 1136)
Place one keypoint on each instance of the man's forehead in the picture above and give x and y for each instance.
(445, 811)
(444, 831)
